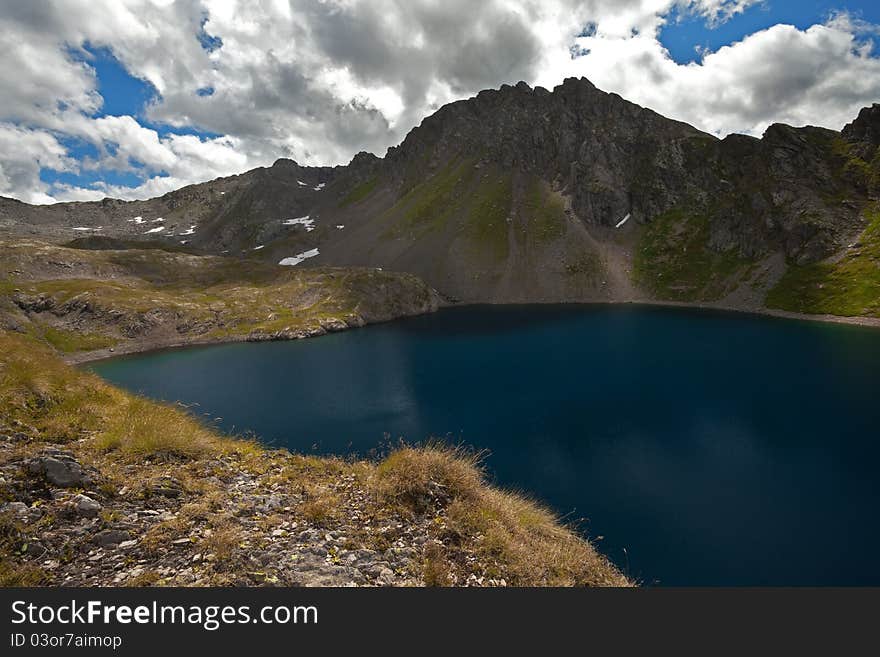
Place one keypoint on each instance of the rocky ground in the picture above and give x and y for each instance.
(82, 532)
(244, 525)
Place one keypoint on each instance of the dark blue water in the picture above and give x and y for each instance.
(704, 448)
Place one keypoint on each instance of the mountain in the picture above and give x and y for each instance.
(518, 195)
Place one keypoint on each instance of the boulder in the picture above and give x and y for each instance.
(110, 537)
(86, 506)
(19, 509)
(59, 468)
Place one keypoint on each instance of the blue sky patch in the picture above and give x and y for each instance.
(89, 178)
(122, 92)
(209, 42)
(124, 95)
(686, 34)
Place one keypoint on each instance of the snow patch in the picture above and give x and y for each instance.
(302, 221)
(295, 260)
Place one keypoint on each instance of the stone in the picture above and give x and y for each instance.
(34, 550)
(59, 469)
(385, 577)
(166, 487)
(110, 537)
(273, 502)
(16, 508)
(86, 506)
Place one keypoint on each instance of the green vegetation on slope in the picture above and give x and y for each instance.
(428, 205)
(488, 209)
(360, 192)
(73, 341)
(60, 404)
(480, 200)
(848, 287)
(545, 212)
(864, 173)
(673, 261)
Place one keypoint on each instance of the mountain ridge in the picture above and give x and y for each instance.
(513, 195)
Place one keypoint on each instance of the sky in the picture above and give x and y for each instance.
(134, 98)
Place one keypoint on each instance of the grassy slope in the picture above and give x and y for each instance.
(111, 296)
(478, 204)
(545, 212)
(133, 442)
(487, 213)
(477, 200)
(429, 205)
(360, 192)
(848, 287)
(673, 261)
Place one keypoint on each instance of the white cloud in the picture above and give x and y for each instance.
(23, 153)
(319, 81)
(818, 76)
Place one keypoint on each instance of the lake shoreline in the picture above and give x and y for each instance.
(621, 410)
(157, 345)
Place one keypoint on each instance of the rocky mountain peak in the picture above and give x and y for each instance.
(865, 127)
(363, 158)
(285, 163)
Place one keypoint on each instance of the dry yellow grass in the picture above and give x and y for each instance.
(410, 476)
(221, 540)
(530, 544)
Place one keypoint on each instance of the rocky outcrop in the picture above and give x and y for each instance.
(610, 156)
(866, 127)
(59, 468)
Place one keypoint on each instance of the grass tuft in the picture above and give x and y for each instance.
(411, 476)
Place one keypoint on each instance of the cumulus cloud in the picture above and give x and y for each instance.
(319, 81)
(23, 153)
(819, 76)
